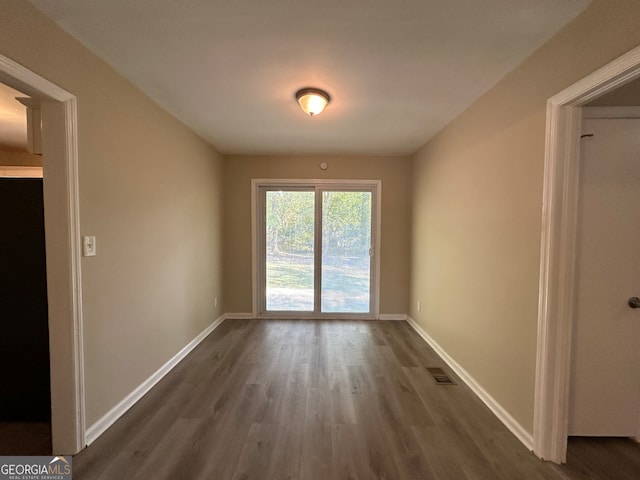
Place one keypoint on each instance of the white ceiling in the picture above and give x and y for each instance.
(13, 120)
(398, 71)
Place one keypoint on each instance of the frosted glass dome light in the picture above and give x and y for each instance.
(312, 100)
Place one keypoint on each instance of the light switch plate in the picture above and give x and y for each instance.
(89, 246)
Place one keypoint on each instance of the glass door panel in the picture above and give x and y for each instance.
(289, 251)
(315, 249)
(346, 252)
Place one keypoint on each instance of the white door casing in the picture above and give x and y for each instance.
(559, 216)
(62, 243)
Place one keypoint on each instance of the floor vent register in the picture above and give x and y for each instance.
(440, 376)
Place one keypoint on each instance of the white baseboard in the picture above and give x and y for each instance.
(99, 427)
(511, 423)
(239, 316)
(382, 316)
(392, 316)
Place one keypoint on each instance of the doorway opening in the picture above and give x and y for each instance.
(62, 234)
(558, 259)
(25, 399)
(315, 247)
(604, 397)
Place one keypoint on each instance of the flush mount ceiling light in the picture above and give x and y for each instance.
(312, 100)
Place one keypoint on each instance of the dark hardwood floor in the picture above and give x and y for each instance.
(25, 438)
(602, 459)
(310, 400)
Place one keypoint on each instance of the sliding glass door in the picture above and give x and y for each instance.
(289, 250)
(315, 249)
(346, 252)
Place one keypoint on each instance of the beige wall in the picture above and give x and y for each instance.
(396, 214)
(21, 159)
(150, 191)
(477, 196)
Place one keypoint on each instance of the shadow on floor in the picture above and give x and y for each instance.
(597, 458)
(25, 438)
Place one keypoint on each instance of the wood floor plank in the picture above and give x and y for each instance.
(126, 444)
(222, 439)
(316, 451)
(287, 452)
(255, 457)
(391, 449)
(343, 459)
(168, 456)
(312, 400)
(444, 458)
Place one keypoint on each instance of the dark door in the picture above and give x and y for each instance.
(24, 333)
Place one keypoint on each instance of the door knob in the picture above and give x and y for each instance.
(634, 302)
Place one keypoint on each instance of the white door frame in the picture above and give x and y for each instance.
(557, 258)
(376, 185)
(62, 232)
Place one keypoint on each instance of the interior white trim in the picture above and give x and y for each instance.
(255, 300)
(23, 79)
(511, 423)
(392, 316)
(65, 301)
(99, 427)
(239, 316)
(557, 263)
(382, 316)
(73, 182)
(256, 183)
